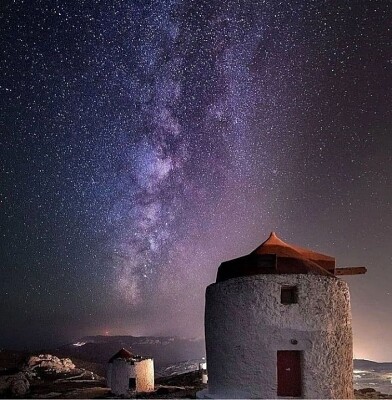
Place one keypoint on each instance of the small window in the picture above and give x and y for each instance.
(288, 295)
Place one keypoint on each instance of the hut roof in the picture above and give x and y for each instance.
(274, 256)
(124, 354)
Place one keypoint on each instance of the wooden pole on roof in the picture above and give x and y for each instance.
(350, 271)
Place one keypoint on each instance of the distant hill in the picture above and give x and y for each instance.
(164, 350)
(368, 365)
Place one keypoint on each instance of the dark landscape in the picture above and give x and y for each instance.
(77, 370)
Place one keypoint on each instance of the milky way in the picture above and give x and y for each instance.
(144, 142)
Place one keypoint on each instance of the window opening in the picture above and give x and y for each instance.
(289, 295)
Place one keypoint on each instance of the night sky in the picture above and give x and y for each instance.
(143, 142)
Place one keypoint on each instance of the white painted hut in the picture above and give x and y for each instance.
(127, 372)
(278, 324)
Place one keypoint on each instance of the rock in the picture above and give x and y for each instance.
(80, 375)
(49, 363)
(67, 363)
(49, 395)
(19, 384)
(169, 389)
(366, 390)
(33, 361)
(30, 374)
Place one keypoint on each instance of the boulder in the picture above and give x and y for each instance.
(19, 384)
(367, 390)
(49, 363)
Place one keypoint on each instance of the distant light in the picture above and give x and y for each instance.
(78, 344)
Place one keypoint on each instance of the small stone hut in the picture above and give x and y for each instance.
(127, 372)
(278, 324)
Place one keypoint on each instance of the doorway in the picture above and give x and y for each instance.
(289, 373)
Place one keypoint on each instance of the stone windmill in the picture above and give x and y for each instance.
(278, 324)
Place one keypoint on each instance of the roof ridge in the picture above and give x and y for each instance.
(274, 240)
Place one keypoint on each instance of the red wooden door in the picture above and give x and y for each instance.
(289, 373)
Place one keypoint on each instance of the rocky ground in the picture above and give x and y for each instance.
(370, 393)
(46, 376)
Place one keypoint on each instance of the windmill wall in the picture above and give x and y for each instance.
(246, 325)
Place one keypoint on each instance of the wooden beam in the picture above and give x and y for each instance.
(350, 271)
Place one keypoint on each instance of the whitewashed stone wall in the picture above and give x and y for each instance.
(119, 372)
(144, 371)
(246, 325)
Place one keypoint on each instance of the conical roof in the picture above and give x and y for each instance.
(274, 245)
(274, 256)
(123, 353)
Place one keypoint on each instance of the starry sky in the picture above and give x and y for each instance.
(143, 142)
